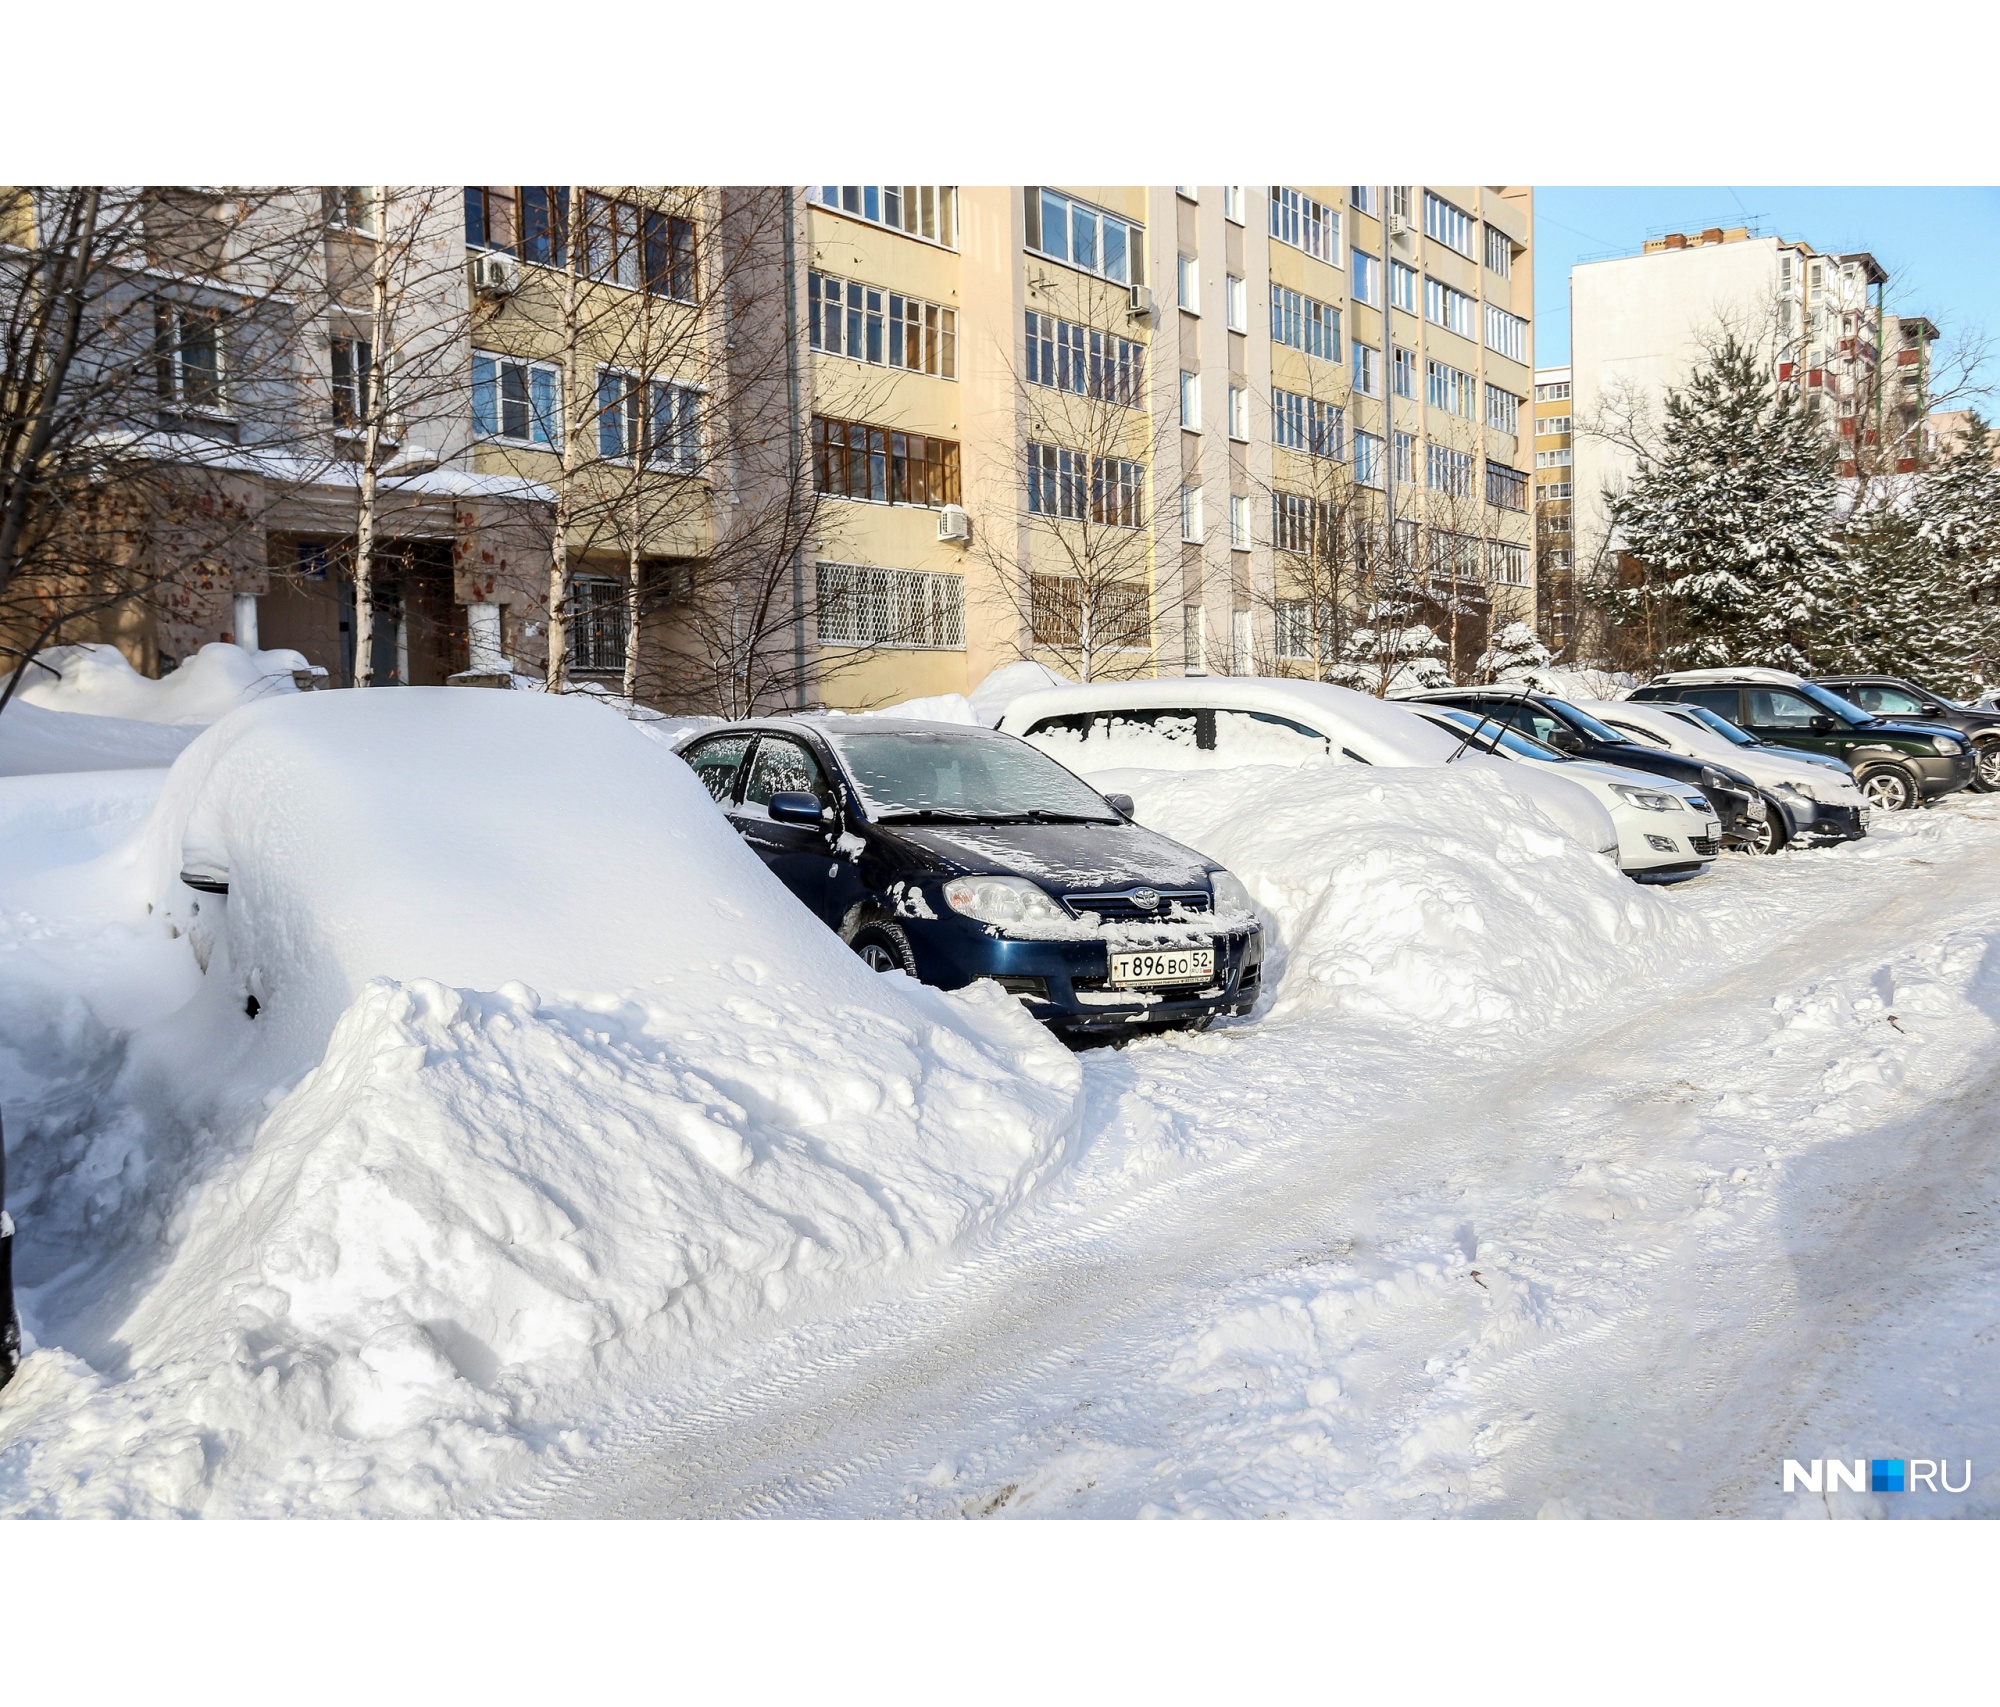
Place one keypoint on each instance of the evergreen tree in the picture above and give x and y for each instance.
(1729, 523)
(1513, 655)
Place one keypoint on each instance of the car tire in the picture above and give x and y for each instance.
(1986, 766)
(1772, 835)
(884, 948)
(1889, 789)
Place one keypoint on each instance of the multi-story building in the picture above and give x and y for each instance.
(1640, 323)
(1555, 505)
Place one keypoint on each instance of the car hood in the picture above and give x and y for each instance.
(1883, 729)
(1601, 770)
(1062, 856)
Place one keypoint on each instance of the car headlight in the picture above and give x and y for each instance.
(1947, 746)
(1003, 901)
(1645, 799)
(1715, 780)
(1230, 895)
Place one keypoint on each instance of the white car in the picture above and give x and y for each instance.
(1211, 722)
(1666, 830)
(1812, 797)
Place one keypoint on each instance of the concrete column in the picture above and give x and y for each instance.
(482, 623)
(246, 621)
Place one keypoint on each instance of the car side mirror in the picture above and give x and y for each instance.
(798, 808)
(1121, 804)
(1565, 740)
(1821, 726)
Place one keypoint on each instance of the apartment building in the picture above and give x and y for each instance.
(1096, 425)
(1640, 323)
(1555, 503)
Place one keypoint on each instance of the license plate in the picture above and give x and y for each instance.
(1163, 966)
(1864, 817)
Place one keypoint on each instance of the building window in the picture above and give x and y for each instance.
(1403, 373)
(1066, 356)
(1554, 425)
(1451, 309)
(867, 324)
(1403, 287)
(1305, 224)
(1239, 522)
(1555, 521)
(1187, 277)
(1506, 334)
(1308, 425)
(1085, 237)
(879, 465)
(1367, 370)
(1503, 410)
(1553, 458)
(1190, 402)
(518, 401)
(1499, 252)
(634, 246)
(1558, 392)
(656, 422)
(348, 207)
(528, 220)
(352, 360)
(1455, 555)
(1191, 530)
(1450, 389)
(1555, 491)
(1367, 271)
(929, 211)
(1236, 303)
(1406, 459)
(1067, 485)
(1121, 618)
(1368, 460)
(187, 356)
(1506, 488)
(597, 625)
(1399, 201)
(1301, 525)
(1300, 323)
(1239, 413)
(1361, 197)
(911, 609)
(1507, 564)
(1232, 203)
(1450, 225)
(1448, 471)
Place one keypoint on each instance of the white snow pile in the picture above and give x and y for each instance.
(512, 1078)
(1003, 686)
(96, 681)
(35, 742)
(1432, 902)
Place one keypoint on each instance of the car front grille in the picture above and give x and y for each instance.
(1703, 845)
(1118, 907)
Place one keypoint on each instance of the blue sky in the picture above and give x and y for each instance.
(1941, 246)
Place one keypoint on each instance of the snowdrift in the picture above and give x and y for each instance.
(511, 1076)
(38, 742)
(96, 681)
(1432, 901)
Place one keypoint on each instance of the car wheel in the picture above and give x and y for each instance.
(1770, 835)
(1888, 790)
(884, 948)
(1986, 766)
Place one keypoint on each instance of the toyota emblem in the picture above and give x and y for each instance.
(1145, 899)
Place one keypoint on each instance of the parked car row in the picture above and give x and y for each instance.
(956, 853)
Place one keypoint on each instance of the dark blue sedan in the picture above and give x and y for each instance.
(955, 853)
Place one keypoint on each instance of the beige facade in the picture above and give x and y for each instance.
(1555, 509)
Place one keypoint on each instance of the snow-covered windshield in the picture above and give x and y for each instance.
(944, 777)
(1715, 723)
(1494, 734)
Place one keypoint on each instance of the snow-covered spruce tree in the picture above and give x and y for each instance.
(1514, 652)
(1730, 522)
(1958, 520)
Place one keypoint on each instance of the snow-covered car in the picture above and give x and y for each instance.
(955, 853)
(1666, 832)
(1211, 722)
(1809, 798)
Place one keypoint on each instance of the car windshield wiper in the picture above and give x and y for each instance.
(932, 815)
(949, 815)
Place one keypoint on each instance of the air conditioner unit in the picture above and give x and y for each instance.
(954, 523)
(495, 275)
(1142, 302)
(1398, 225)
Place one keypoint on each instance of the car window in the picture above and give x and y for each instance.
(1716, 723)
(1531, 720)
(1645, 737)
(1724, 702)
(1175, 737)
(1258, 737)
(1776, 708)
(1884, 701)
(716, 763)
(783, 766)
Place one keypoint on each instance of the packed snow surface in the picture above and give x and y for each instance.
(96, 681)
(512, 1076)
(38, 742)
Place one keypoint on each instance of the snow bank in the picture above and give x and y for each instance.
(1003, 686)
(932, 708)
(512, 1078)
(97, 682)
(36, 742)
(1433, 901)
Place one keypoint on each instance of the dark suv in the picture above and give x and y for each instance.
(1896, 765)
(1905, 702)
(1739, 803)
(954, 853)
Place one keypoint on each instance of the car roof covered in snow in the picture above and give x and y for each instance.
(1373, 729)
(1736, 673)
(835, 727)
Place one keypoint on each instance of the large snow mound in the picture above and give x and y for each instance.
(38, 742)
(96, 681)
(549, 1085)
(1435, 901)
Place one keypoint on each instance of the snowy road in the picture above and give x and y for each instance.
(1626, 1267)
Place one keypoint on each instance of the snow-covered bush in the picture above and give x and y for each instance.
(98, 682)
